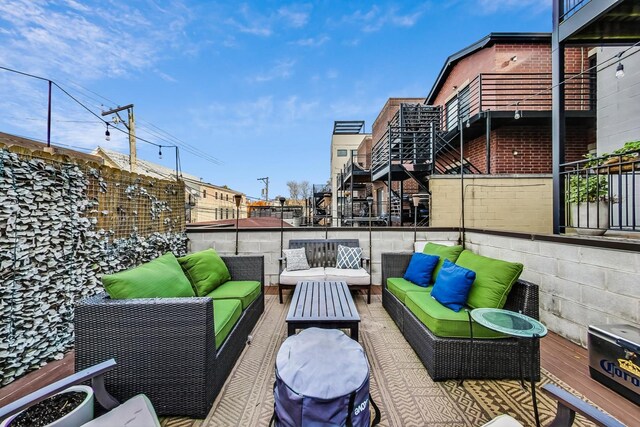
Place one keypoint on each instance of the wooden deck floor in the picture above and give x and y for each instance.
(566, 360)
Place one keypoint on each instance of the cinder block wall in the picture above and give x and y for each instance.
(580, 285)
(514, 203)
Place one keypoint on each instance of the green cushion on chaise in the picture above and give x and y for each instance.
(399, 287)
(160, 278)
(205, 270)
(494, 279)
(444, 252)
(245, 291)
(442, 321)
(226, 313)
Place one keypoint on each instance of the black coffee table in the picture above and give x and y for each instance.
(327, 305)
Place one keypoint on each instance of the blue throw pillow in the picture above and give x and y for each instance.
(453, 285)
(420, 269)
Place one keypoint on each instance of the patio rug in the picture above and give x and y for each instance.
(400, 384)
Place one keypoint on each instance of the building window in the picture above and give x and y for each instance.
(204, 194)
(216, 195)
(227, 197)
(226, 213)
(452, 114)
(215, 213)
(342, 153)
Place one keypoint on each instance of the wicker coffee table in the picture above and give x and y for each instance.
(326, 305)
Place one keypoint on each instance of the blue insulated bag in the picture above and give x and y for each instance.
(322, 380)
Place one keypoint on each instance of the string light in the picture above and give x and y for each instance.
(160, 152)
(619, 68)
(107, 134)
(517, 114)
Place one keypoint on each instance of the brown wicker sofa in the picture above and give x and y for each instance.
(450, 358)
(165, 347)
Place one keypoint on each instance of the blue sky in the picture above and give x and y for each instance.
(254, 86)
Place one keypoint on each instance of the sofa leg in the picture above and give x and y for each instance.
(280, 292)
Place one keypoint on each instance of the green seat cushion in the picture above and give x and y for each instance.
(205, 270)
(443, 321)
(399, 287)
(226, 313)
(245, 291)
(444, 252)
(494, 279)
(160, 278)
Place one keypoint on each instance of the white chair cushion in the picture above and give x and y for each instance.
(503, 421)
(351, 276)
(293, 277)
(137, 411)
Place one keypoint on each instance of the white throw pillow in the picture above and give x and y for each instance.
(296, 259)
(348, 257)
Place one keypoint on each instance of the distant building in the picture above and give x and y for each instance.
(204, 201)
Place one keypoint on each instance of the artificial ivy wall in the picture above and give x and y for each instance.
(55, 243)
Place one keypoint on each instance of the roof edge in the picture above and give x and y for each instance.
(487, 40)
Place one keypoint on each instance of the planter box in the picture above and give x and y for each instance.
(590, 218)
(76, 418)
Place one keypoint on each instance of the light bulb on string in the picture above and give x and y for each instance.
(107, 134)
(160, 152)
(619, 71)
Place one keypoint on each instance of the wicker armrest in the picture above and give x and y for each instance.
(394, 265)
(246, 267)
(106, 328)
(524, 298)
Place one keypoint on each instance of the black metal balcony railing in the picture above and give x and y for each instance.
(519, 91)
(603, 193)
(570, 7)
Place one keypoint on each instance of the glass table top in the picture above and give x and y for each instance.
(509, 322)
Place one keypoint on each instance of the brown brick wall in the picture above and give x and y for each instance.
(532, 144)
(531, 58)
(386, 114)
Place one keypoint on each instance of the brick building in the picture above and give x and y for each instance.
(495, 97)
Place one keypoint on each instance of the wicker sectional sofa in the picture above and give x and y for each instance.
(462, 358)
(166, 347)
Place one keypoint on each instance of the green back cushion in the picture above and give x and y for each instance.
(494, 279)
(444, 252)
(160, 278)
(205, 270)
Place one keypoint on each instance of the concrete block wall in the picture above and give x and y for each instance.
(579, 285)
(267, 242)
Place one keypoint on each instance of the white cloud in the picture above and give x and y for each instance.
(312, 41)
(332, 73)
(492, 6)
(294, 17)
(376, 18)
(281, 70)
(80, 41)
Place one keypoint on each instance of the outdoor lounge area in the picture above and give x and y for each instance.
(402, 382)
(472, 260)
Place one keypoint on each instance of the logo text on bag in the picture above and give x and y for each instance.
(361, 407)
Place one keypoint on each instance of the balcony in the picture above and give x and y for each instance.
(598, 22)
(357, 170)
(603, 194)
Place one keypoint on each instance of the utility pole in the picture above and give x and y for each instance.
(266, 191)
(131, 127)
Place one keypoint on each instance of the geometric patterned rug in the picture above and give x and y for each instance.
(399, 383)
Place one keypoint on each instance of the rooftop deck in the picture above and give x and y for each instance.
(563, 359)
